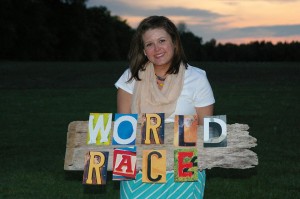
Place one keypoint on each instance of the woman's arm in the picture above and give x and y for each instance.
(123, 101)
(204, 111)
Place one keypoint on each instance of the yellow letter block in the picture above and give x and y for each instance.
(154, 166)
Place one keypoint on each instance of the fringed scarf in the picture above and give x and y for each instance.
(148, 98)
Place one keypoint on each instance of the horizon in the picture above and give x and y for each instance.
(226, 21)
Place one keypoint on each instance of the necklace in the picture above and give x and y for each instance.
(160, 78)
(160, 84)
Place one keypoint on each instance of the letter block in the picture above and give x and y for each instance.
(152, 128)
(99, 128)
(154, 166)
(185, 165)
(185, 130)
(125, 127)
(95, 168)
(215, 131)
(124, 163)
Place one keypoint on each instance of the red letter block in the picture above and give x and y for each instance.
(124, 163)
(185, 165)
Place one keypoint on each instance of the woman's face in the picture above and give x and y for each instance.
(158, 47)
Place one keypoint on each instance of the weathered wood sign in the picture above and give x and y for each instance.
(236, 154)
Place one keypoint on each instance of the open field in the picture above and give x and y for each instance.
(39, 100)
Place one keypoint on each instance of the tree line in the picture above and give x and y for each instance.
(67, 30)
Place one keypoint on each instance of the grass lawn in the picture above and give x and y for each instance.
(39, 100)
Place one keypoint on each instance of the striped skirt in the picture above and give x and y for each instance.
(135, 189)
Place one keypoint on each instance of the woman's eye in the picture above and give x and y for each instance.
(162, 40)
(148, 45)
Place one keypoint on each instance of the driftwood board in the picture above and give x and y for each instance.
(236, 155)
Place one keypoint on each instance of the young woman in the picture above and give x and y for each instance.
(160, 80)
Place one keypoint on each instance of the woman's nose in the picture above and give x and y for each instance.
(156, 47)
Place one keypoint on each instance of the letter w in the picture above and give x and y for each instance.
(97, 129)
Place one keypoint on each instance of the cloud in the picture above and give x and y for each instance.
(282, 30)
(208, 32)
(114, 6)
(131, 9)
(275, 31)
(177, 14)
(180, 11)
(236, 1)
(206, 23)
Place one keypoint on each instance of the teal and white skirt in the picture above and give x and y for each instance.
(135, 189)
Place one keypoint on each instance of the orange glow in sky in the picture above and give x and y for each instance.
(235, 21)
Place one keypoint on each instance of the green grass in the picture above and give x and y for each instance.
(39, 100)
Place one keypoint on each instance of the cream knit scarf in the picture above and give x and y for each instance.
(148, 98)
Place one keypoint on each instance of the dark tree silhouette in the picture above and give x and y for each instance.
(66, 30)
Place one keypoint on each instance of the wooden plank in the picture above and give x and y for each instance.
(236, 155)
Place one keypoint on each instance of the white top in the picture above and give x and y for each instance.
(196, 91)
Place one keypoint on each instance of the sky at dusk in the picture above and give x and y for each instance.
(234, 21)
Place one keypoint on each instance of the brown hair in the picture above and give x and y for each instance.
(137, 59)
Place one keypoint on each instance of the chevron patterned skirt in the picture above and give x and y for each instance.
(135, 189)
